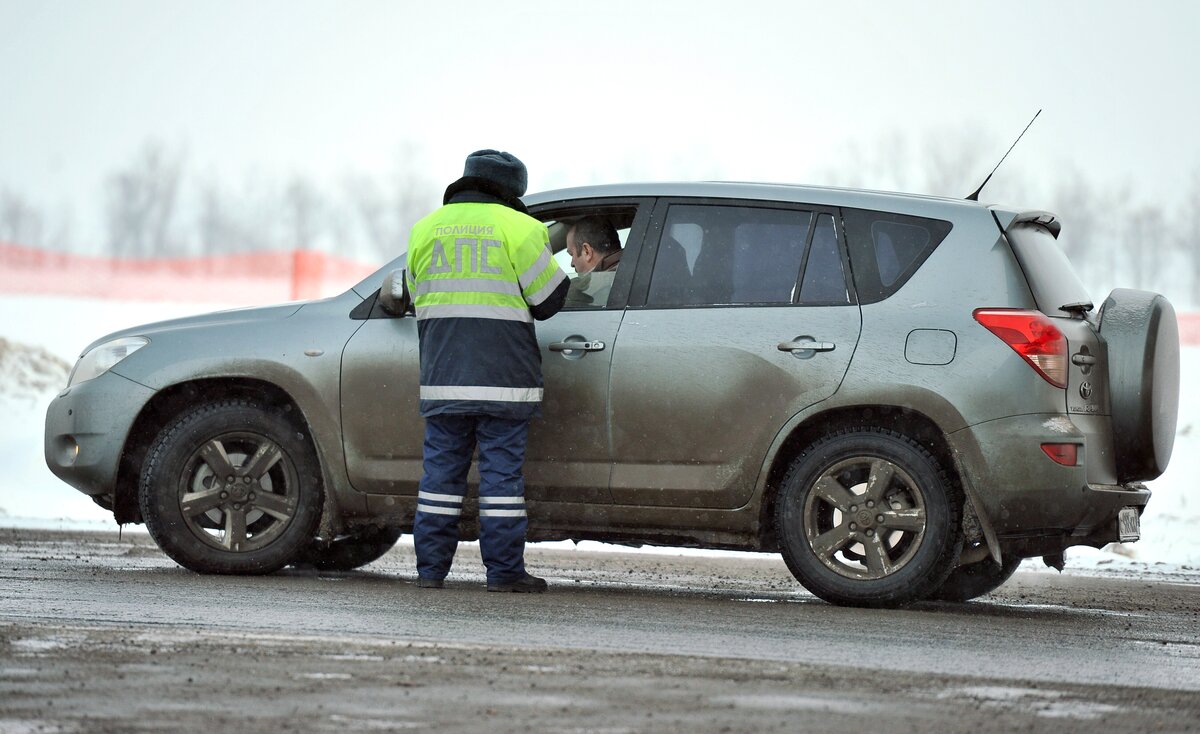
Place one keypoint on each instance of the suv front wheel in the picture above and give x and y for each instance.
(867, 517)
(231, 487)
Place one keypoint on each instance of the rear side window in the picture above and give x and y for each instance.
(886, 249)
(718, 255)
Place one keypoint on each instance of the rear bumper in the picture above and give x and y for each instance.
(86, 429)
(1034, 505)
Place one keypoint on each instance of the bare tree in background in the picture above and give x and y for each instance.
(1189, 234)
(369, 207)
(141, 203)
(943, 163)
(20, 223)
(386, 213)
(304, 212)
(884, 164)
(228, 223)
(956, 162)
(1148, 245)
(213, 225)
(1093, 217)
(1076, 204)
(1110, 239)
(152, 209)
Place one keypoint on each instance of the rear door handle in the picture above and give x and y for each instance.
(592, 346)
(1083, 359)
(802, 344)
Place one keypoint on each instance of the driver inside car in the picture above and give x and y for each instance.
(595, 251)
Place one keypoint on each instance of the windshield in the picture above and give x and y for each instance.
(371, 283)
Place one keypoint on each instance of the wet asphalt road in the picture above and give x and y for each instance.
(1099, 637)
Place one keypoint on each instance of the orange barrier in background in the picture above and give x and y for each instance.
(1189, 329)
(247, 279)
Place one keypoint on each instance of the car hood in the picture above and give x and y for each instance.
(217, 318)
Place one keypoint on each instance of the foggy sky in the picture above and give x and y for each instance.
(588, 92)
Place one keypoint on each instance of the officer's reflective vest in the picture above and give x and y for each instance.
(474, 270)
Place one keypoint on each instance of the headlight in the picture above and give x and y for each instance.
(101, 359)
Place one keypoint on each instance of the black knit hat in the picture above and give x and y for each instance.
(503, 169)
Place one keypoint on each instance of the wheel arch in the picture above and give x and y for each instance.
(171, 402)
(912, 423)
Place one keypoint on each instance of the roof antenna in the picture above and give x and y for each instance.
(975, 196)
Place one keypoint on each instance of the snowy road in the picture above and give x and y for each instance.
(701, 643)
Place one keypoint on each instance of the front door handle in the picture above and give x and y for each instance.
(576, 346)
(805, 346)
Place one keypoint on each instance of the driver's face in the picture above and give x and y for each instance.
(579, 260)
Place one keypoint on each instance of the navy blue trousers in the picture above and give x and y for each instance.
(450, 441)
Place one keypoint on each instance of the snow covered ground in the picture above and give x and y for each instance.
(40, 338)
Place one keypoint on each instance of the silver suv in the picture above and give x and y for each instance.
(903, 395)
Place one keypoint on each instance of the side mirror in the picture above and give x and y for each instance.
(394, 297)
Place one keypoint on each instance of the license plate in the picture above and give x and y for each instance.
(1129, 524)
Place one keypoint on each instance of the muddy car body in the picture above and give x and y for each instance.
(904, 395)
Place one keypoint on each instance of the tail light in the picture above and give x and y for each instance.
(1032, 335)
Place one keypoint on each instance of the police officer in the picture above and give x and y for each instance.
(480, 272)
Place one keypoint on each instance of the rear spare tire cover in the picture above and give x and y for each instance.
(1143, 369)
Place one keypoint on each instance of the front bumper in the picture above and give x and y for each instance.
(86, 429)
(1035, 506)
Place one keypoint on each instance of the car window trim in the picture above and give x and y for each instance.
(839, 230)
(618, 295)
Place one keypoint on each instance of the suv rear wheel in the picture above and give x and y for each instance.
(231, 487)
(867, 517)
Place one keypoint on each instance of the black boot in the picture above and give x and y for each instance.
(525, 585)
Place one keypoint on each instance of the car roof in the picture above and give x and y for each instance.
(917, 204)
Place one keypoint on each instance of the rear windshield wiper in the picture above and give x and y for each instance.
(1079, 309)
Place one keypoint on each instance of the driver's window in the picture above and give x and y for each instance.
(599, 238)
(563, 258)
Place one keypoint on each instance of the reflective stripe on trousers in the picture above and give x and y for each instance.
(449, 443)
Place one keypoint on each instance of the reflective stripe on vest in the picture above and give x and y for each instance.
(468, 285)
(474, 311)
(544, 292)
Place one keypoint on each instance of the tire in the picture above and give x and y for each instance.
(350, 551)
(256, 521)
(829, 511)
(1142, 334)
(976, 579)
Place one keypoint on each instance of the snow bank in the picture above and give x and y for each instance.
(28, 371)
(41, 336)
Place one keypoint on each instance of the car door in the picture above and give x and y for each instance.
(568, 455)
(382, 429)
(741, 317)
